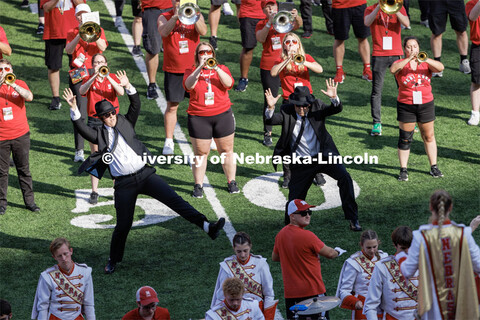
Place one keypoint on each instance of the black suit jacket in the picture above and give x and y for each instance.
(287, 117)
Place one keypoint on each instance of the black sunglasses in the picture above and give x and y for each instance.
(304, 213)
(108, 114)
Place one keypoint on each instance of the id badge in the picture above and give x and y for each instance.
(209, 98)
(387, 43)
(298, 84)
(183, 46)
(7, 113)
(276, 43)
(417, 97)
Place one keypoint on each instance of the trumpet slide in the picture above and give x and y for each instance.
(10, 78)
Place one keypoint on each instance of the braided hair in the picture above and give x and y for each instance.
(369, 235)
(440, 204)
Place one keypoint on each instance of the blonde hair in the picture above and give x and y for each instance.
(57, 243)
(300, 50)
(441, 203)
(203, 43)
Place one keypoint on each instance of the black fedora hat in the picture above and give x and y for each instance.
(103, 107)
(301, 96)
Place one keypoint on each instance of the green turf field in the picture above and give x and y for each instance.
(175, 257)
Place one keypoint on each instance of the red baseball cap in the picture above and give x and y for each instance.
(298, 205)
(265, 2)
(146, 295)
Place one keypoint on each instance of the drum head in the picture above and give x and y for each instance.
(319, 304)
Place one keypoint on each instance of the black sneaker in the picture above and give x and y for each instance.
(403, 176)
(152, 91)
(55, 104)
(242, 85)
(355, 225)
(110, 267)
(213, 42)
(2, 211)
(137, 52)
(319, 180)
(24, 4)
(40, 28)
(197, 191)
(232, 187)
(267, 140)
(307, 35)
(214, 228)
(435, 172)
(33, 208)
(93, 198)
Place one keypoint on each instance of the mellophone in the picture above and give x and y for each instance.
(311, 309)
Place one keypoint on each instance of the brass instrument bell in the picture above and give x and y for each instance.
(188, 13)
(391, 6)
(104, 71)
(283, 22)
(10, 78)
(90, 31)
(211, 63)
(298, 59)
(422, 56)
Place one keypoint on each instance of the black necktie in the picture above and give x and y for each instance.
(115, 139)
(300, 133)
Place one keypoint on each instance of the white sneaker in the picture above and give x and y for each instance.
(118, 22)
(465, 66)
(79, 157)
(227, 10)
(437, 74)
(213, 145)
(474, 119)
(425, 23)
(168, 148)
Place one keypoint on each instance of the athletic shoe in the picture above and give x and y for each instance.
(110, 267)
(55, 104)
(168, 148)
(319, 180)
(242, 85)
(79, 156)
(355, 225)
(403, 176)
(474, 119)
(339, 76)
(213, 42)
(232, 187)
(118, 22)
(137, 52)
(267, 140)
(465, 66)
(93, 198)
(435, 172)
(213, 145)
(425, 23)
(197, 191)
(24, 4)
(307, 35)
(226, 9)
(152, 92)
(437, 74)
(214, 228)
(408, 28)
(367, 74)
(40, 28)
(376, 130)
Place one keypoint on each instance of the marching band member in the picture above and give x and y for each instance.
(97, 87)
(446, 257)
(389, 290)
(5, 48)
(254, 272)
(64, 291)
(235, 305)
(210, 115)
(357, 272)
(415, 104)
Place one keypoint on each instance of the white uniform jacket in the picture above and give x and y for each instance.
(65, 296)
(255, 274)
(390, 291)
(249, 310)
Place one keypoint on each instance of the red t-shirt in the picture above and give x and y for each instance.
(301, 271)
(3, 38)
(386, 22)
(13, 120)
(99, 91)
(198, 97)
(272, 47)
(56, 24)
(251, 9)
(89, 49)
(342, 4)
(409, 81)
(160, 4)
(474, 25)
(179, 46)
(294, 78)
(160, 314)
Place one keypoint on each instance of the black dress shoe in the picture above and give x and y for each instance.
(355, 225)
(214, 228)
(33, 208)
(110, 267)
(285, 183)
(2, 211)
(319, 180)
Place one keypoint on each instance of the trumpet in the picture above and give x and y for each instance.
(298, 59)
(391, 6)
(283, 22)
(211, 63)
(188, 13)
(104, 71)
(90, 31)
(10, 78)
(422, 56)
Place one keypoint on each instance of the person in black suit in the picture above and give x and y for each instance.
(309, 139)
(120, 151)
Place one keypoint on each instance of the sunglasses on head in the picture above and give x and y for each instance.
(304, 213)
(7, 69)
(108, 114)
(204, 52)
(287, 42)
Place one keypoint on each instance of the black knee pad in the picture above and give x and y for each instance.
(405, 139)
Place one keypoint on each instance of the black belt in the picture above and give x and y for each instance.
(131, 174)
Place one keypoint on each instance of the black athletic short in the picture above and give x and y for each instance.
(440, 9)
(54, 53)
(174, 91)
(217, 2)
(475, 63)
(247, 30)
(343, 18)
(152, 41)
(416, 112)
(136, 9)
(218, 126)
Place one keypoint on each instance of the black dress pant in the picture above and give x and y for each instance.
(127, 188)
(19, 148)
(306, 13)
(272, 83)
(301, 180)
(82, 103)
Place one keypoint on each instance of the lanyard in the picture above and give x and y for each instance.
(385, 23)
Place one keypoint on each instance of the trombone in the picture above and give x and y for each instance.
(104, 71)
(188, 13)
(90, 31)
(211, 63)
(391, 6)
(10, 78)
(298, 59)
(422, 56)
